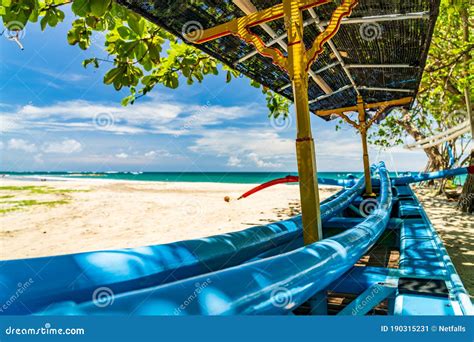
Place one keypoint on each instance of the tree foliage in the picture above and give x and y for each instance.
(136, 57)
(441, 102)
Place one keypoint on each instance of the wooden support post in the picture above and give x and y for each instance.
(297, 62)
(363, 133)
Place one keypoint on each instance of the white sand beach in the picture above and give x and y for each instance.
(91, 214)
(456, 231)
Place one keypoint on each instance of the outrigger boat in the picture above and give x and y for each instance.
(245, 271)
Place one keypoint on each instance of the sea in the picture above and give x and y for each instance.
(206, 177)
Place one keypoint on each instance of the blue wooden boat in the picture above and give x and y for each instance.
(257, 270)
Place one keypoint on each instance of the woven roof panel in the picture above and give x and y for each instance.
(378, 42)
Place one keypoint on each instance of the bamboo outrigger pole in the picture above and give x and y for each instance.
(297, 64)
(363, 126)
(365, 150)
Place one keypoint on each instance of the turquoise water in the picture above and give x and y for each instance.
(209, 177)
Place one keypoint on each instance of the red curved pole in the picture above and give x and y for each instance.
(287, 179)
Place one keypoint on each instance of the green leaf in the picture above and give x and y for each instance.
(81, 7)
(124, 32)
(99, 7)
(112, 74)
(138, 26)
(44, 21)
(88, 61)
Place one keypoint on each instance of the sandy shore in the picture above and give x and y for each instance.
(456, 231)
(61, 217)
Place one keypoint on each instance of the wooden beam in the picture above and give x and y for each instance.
(344, 10)
(248, 8)
(375, 105)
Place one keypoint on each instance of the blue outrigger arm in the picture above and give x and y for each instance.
(433, 175)
(276, 285)
(76, 276)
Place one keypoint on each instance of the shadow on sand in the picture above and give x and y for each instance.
(456, 231)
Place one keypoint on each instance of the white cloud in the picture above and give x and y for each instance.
(21, 145)
(247, 147)
(10, 123)
(234, 162)
(62, 76)
(151, 154)
(66, 146)
(155, 116)
(233, 142)
(122, 155)
(157, 153)
(260, 163)
(39, 158)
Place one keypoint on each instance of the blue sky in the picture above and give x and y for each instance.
(56, 116)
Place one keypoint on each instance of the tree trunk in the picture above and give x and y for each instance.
(435, 158)
(466, 201)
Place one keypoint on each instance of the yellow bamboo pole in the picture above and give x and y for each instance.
(305, 152)
(363, 133)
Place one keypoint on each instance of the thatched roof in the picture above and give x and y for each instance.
(380, 50)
